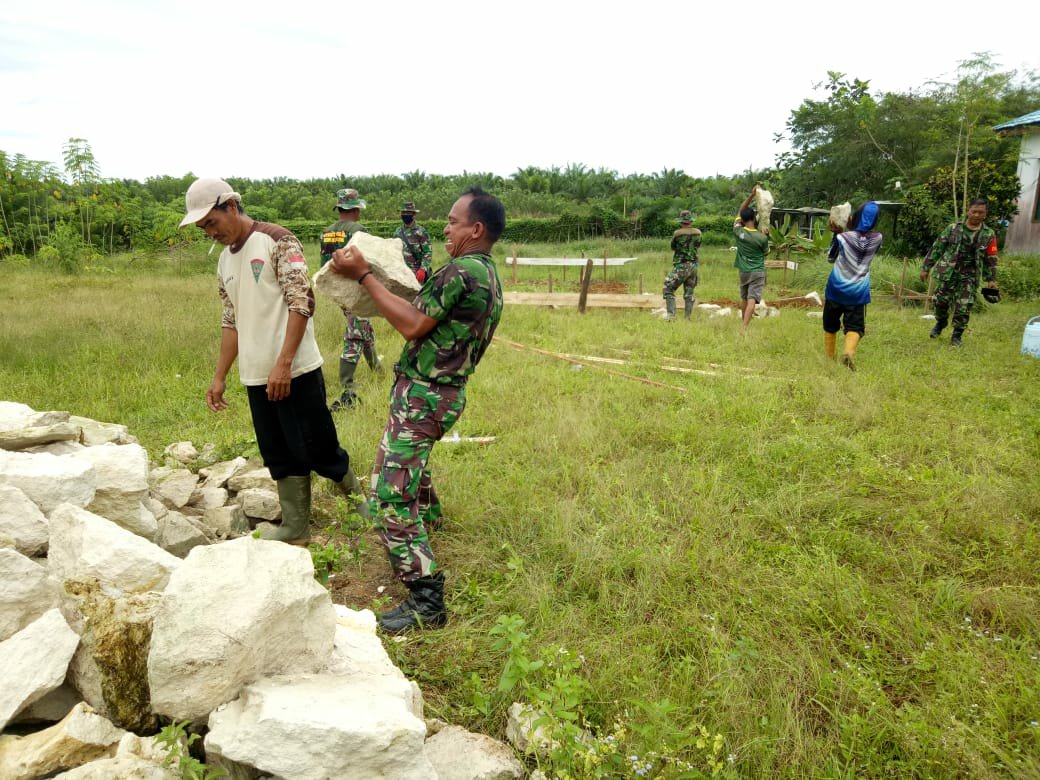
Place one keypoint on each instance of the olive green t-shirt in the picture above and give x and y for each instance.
(751, 249)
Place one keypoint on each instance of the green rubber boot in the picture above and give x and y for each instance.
(351, 489)
(669, 307)
(294, 494)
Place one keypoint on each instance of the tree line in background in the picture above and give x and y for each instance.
(931, 149)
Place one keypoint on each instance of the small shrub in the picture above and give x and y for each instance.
(177, 741)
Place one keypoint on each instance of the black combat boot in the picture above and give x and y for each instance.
(423, 608)
(955, 339)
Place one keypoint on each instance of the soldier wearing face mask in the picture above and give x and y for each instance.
(417, 251)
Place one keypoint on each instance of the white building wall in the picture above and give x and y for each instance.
(1024, 232)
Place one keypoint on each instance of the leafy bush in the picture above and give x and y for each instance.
(1018, 276)
(68, 248)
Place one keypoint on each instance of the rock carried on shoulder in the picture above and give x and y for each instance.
(385, 257)
(838, 220)
(22, 521)
(764, 206)
(458, 754)
(33, 662)
(231, 613)
(80, 737)
(26, 592)
(48, 480)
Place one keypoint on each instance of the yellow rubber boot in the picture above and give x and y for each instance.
(851, 342)
(828, 344)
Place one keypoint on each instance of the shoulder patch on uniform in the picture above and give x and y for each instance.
(258, 266)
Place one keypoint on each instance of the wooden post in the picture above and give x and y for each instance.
(583, 296)
(640, 284)
(565, 274)
(514, 263)
(928, 300)
(604, 265)
(787, 259)
(550, 282)
(902, 283)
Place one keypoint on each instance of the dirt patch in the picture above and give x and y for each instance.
(612, 287)
(608, 287)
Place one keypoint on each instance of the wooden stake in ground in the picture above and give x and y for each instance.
(583, 296)
(514, 263)
(550, 281)
(640, 284)
(902, 285)
(604, 265)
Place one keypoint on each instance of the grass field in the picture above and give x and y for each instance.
(775, 567)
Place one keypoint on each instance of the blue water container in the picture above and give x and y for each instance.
(1031, 338)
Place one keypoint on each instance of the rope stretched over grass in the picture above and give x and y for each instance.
(569, 359)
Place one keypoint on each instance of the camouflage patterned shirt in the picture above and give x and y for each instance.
(685, 243)
(465, 297)
(417, 250)
(957, 247)
(336, 237)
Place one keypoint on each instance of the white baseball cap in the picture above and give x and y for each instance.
(203, 195)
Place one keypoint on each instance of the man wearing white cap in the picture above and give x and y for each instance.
(267, 325)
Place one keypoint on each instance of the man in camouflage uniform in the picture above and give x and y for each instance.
(448, 326)
(358, 338)
(417, 251)
(685, 243)
(959, 255)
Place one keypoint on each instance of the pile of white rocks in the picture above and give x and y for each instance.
(127, 602)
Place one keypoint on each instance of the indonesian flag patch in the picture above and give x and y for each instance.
(297, 261)
(258, 266)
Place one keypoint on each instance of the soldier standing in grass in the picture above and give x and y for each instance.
(448, 326)
(358, 338)
(417, 251)
(267, 326)
(685, 243)
(752, 246)
(959, 254)
(848, 286)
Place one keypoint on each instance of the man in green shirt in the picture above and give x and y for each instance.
(358, 338)
(449, 326)
(752, 246)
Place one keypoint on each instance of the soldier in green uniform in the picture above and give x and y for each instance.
(448, 326)
(417, 251)
(685, 243)
(958, 256)
(358, 338)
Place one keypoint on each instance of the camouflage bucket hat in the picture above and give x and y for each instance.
(686, 215)
(408, 207)
(348, 199)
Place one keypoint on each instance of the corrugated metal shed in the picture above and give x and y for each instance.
(1022, 121)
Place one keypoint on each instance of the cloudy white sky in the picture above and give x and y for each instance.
(304, 89)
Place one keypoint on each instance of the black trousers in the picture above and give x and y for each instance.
(297, 435)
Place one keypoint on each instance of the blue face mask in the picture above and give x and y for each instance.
(407, 218)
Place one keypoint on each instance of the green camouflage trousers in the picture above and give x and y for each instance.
(357, 336)
(403, 500)
(684, 274)
(958, 289)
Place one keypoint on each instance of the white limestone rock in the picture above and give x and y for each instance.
(84, 545)
(26, 593)
(224, 522)
(217, 475)
(255, 478)
(123, 768)
(314, 727)
(385, 256)
(57, 448)
(458, 754)
(121, 485)
(33, 663)
(36, 435)
(22, 521)
(764, 207)
(173, 486)
(208, 498)
(231, 613)
(260, 503)
(80, 737)
(180, 534)
(182, 452)
(14, 415)
(94, 432)
(48, 480)
(522, 732)
(838, 220)
(51, 707)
